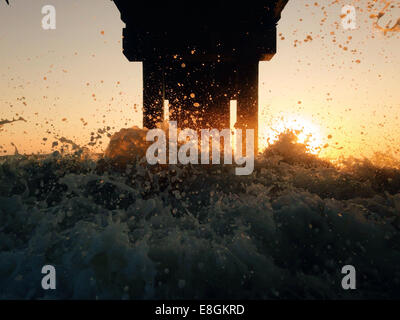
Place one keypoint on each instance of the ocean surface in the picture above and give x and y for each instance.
(118, 228)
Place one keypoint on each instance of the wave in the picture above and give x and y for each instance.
(125, 230)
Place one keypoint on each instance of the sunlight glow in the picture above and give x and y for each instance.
(166, 111)
(306, 132)
(233, 119)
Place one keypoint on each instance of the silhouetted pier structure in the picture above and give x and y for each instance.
(199, 55)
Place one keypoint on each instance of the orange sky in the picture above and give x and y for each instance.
(340, 85)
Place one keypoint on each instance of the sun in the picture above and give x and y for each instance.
(307, 132)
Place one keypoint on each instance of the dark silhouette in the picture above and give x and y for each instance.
(199, 55)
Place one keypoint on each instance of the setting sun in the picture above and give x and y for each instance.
(307, 133)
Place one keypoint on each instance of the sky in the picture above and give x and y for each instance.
(339, 85)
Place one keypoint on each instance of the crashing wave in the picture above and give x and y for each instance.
(118, 228)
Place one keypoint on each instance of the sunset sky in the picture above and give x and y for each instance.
(342, 86)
